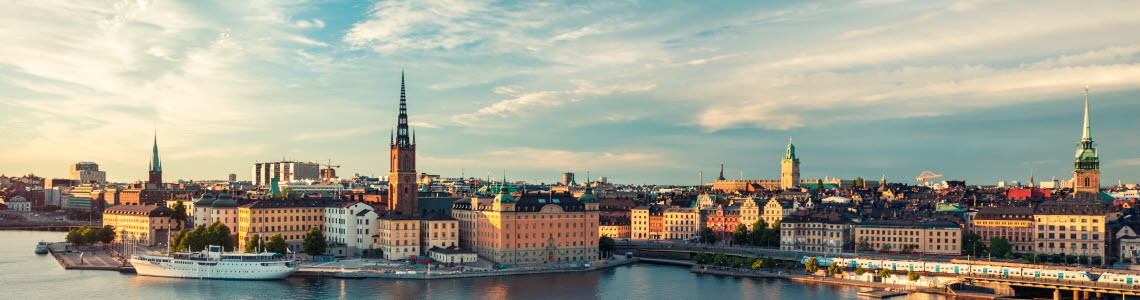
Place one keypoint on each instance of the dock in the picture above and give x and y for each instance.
(86, 258)
(881, 294)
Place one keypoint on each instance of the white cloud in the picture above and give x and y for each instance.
(539, 159)
(528, 102)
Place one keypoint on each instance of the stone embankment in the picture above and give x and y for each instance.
(362, 273)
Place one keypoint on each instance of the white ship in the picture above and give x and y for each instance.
(212, 263)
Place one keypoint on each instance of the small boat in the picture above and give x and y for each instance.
(42, 248)
(213, 263)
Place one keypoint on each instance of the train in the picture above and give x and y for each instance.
(979, 268)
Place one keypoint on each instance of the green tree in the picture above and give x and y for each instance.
(315, 243)
(218, 234)
(1095, 260)
(179, 213)
(999, 247)
(107, 234)
(769, 262)
(834, 269)
(972, 245)
(1111, 260)
(912, 276)
(254, 244)
(277, 244)
(90, 235)
(607, 245)
(75, 236)
(1030, 257)
(860, 271)
(858, 183)
(740, 236)
(196, 239)
(759, 229)
(289, 193)
(720, 259)
(864, 245)
(811, 266)
(819, 186)
(706, 236)
(884, 273)
(179, 242)
(772, 236)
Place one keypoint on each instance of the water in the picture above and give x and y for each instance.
(25, 275)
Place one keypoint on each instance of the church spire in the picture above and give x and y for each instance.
(155, 164)
(402, 136)
(721, 172)
(1087, 134)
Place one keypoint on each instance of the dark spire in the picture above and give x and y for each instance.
(155, 164)
(721, 172)
(402, 138)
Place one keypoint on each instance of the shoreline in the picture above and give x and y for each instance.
(699, 269)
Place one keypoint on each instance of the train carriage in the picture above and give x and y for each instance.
(1131, 279)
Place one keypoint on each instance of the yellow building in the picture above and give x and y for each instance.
(1015, 224)
(614, 229)
(140, 224)
(823, 232)
(1072, 228)
(680, 223)
(930, 237)
(776, 209)
(439, 231)
(290, 218)
(749, 212)
(532, 229)
(398, 236)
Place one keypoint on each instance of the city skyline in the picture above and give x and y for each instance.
(489, 89)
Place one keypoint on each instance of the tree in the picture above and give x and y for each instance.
(196, 239)
(769, 262)
(1095, 260)
(254, 244)
(288, 193)
(607, 245)
(864, 245)
(1083, 259)
(179, 213)
(315, 243)
(860, 271)
(706, 236)
(1111, 260)
(720, 259)
(90, 235)
(218, 234)
(908, 249)
(884, 273)
(1030, 257)
(740, 236)
(1000, 247)
(277, 244)
(885, 248)
(973, 246)
(819, 186)
(772, 236)
(858, 183)
(739, 262)
(834, 269)
(759, 229)
(811, 266)
(179, 242)
(756, 264)
(75, 236)
(912, 276)
(107, 234)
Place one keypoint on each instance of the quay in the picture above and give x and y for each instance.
(881, 294)
(87, 258)
(356, 273)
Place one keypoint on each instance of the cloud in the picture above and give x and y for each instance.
(528, 102)
(336, 134)
(555, 160)
(314, 23)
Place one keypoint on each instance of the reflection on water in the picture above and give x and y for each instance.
(30, 276)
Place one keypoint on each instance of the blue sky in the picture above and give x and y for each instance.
(638, 91)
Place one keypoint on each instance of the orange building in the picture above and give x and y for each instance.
(534, 228)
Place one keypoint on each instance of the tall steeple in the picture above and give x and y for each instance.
(790, 168)
(1086, 164)
(721, 172)
(403, 139)
(154, 177)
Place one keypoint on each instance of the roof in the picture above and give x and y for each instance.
(450, 250)
(272, 203)
(1005, 213)
(397, 216)
(1072, 208)
(911, 224)
(363, 212)
(437, 216)
(139, 210)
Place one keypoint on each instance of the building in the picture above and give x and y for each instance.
(233, 177)
(1072, 227)
(645, 222)
(351, 224)
(284, 171)
(749, 213)
(306, 188)
(402, 185)
(140, 224)
(828, 233)
(399, 236)
(453, 255)
(930, 237)
(722, 220)
(87, 173)
(208, 209)
(439, 230)
(790, 168)
(154, 178)
(568, 179)
(17, 203)
(292, 219)
(1015, 224)
(776, 209)
(1086, 165)
(535, 228)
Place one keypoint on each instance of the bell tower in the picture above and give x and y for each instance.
(403, 191)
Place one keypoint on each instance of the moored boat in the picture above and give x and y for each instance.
(213, 263)
(42, 248)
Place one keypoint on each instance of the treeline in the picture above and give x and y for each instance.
(720, 259)
(87, 235)
(217, 234)
(760, 235)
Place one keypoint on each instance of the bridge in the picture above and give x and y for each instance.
(1090, 290)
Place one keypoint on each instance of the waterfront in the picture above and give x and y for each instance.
(30, 276)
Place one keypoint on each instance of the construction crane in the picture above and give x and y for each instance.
(922, 177)
(328, 173)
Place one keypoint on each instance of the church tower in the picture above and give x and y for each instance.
(1086, 165)
(790, 168)
(403, 192)
(155, 172)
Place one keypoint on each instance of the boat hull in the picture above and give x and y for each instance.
(221, 270)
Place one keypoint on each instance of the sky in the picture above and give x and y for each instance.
(637, 91)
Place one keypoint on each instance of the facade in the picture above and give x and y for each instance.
(284, 171)
(154, 174)
(931, 237)
(531, 229)
(453, 255)
(439, 231)
(140, 224)
(1072, 227)
(827, 233)
(568, 178)
(87, 173)
(722, 220)
(18, 203)
(749, 213)
(399, 236)
(1086, 165)
(776, 209)
(351, 224)
(1015, 224)
(680, 223)
(615, 228)
(290, 218)
(790, 168)
(403, 188)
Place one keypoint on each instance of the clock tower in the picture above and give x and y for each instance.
(1086, 165)
(403, 192)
